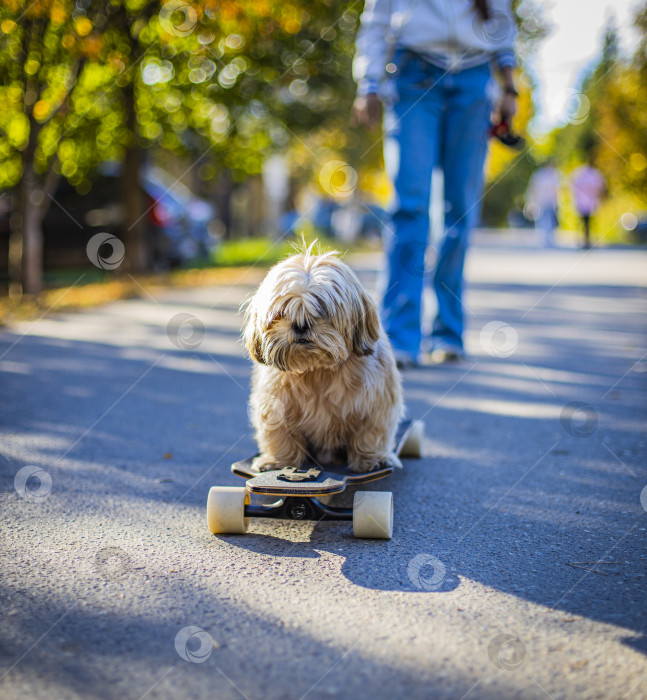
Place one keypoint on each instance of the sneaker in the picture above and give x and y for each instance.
(403, 360)
(441, 356)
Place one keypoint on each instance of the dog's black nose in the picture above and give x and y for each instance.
(299, 329)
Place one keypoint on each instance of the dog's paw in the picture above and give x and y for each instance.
(368, 463)
(392, 460)
(265, 463)
(364, 463)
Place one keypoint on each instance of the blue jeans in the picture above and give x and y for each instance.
(441, 120)
(547, 222)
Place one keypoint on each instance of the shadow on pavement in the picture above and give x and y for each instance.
(513, 495)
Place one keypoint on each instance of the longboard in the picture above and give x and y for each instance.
(298, 489)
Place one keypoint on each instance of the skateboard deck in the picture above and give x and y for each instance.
(312, 479)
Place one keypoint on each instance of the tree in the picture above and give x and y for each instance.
(43, 51)
(620, 112)
(579, 138)
(222, 82)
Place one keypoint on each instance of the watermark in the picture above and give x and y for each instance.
(426, 572)
(417, 258)
(185, 331)
(105, 251)
(579, 419)
(338, 179)
(178, 17)
(629, 221)
(194, 644)
(112, 563)
(33, 483)
(574, 107)
(494, 29)
(499, 339)
(270, 413)
(643, 498)
(507, 652)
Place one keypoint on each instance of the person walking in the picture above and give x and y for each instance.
(439, 55)
(541, 201)
(589, 188)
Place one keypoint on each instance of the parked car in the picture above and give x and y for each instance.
(180, 226)
(348, 221)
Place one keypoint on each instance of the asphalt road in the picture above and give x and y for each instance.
(517, 567)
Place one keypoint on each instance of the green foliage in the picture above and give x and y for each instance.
(507, 171)
(610, 128)
(507, 191)
(227, 81)
(607, 123)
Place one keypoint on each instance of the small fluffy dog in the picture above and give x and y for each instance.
(325, 386)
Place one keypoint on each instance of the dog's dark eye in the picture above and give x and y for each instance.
(274, 319)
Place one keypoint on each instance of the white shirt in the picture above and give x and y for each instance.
(449, 33)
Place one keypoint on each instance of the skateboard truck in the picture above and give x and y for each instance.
(298, 511)
(299, 474)
(296, 508)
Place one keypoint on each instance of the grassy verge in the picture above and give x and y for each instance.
(76, 290)
(251, 251)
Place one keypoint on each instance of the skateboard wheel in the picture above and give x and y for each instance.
(373, 514)
(226, 510)
(413, 444)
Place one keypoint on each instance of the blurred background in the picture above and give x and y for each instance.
(198, 134)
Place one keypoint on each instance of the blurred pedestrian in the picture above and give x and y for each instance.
(589, 188)
(439, 54)
(541, 202)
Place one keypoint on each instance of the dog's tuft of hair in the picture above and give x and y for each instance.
(322, 355)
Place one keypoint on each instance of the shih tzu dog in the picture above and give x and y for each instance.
(325, 385)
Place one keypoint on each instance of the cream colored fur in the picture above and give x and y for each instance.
(325, 385)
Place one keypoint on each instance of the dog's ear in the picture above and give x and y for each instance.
(252, 337)
(255, 348)
(366, 326)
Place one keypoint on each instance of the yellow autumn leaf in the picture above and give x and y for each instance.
(57, 14)
(41, 110)
(83, 26)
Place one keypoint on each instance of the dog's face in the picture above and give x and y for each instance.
(310, 311)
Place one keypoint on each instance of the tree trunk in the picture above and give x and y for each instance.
(138, 252)
(15, 246)
(26, 239)
(32, 231)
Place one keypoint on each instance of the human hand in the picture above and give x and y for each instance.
(508, 107)
(366, 111)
